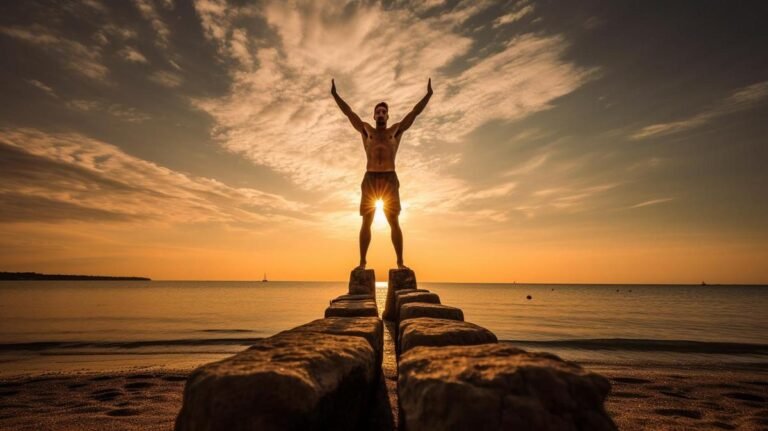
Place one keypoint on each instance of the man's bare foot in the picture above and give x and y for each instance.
(400, 265)
(358, 267)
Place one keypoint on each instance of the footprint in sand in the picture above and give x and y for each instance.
(141, 376)
(138, 385)
(756, 383)
(101, 378)
(628, 395)
(123, 412)
(675, 394)
(175, 378)
(723, 425)
(76, 385)
(744, 396)
(693, 414)
(106, 394)
(5, 385)
(709, 405)
(630, 380)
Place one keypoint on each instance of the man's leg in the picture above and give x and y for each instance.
(365, 237)
(397, 236)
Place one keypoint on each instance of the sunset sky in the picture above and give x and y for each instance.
(565, 141)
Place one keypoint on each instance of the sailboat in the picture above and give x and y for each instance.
(264, 280)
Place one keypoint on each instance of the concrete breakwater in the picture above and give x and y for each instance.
(445, 374)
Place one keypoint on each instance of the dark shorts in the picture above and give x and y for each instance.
(380, 185)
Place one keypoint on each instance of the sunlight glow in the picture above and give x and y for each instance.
(379, 219)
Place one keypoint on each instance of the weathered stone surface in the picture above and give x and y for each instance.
(370, 328)
(427, 331)
(423, 309)
(362, 281)
(402, 278)
(291, 381)
(352, 309)
(498, 387)
(406, 298)
(404, 291)
(356, 297)
(399, 279)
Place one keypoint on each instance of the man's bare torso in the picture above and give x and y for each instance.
(381, 147)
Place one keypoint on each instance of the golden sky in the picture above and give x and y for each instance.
(563, 143)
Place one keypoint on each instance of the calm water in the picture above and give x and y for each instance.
(56, 326)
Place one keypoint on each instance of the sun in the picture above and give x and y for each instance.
(379, 219)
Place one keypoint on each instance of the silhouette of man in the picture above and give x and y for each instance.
(380, 180)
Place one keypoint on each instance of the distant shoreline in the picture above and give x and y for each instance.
(32, 276)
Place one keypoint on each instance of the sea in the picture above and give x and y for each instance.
(50, 327)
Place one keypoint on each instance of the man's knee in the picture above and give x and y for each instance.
(368, 220)
(393, 218)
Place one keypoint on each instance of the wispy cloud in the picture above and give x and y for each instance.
(149, 12)
(83, 176)
(131, 115)
(521, 10)
(651, 202)
(43, 87)
(741, 99)
(73, 55)
(166, 78)
(133, 55)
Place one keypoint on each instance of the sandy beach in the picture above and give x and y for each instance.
(641, 399)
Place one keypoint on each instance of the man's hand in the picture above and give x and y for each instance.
(408, 120)
(357, 123)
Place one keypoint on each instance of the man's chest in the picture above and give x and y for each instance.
(381, 140)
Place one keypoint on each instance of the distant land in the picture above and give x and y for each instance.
(38, 276)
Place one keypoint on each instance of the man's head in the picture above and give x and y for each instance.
(381, 113)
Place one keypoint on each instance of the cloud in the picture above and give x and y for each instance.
(651, 202)
(148, 11)
(513, 16)
(529, 166)
(740, 100)
(117, 110)
(85, 60)
(133, 55)
(82, 177)
(166, 78)
(43, 87)
(492, 192)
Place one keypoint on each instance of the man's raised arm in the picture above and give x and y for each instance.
(353, 118)
(408, 120)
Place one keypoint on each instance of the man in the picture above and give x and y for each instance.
(380, 180)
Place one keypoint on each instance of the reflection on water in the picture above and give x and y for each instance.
(56, 325)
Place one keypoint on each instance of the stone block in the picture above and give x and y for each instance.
(404, 291)
(498, 387)
(406, 298)
(362, 281)
(427, 331)
(422, 309)
(291, 381)
(356, 297)
(370, 328)
(357, 308)
(399, 279)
